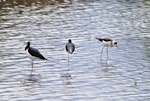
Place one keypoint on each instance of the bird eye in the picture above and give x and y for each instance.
(115, 43)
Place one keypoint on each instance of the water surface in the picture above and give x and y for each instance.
(48, 25)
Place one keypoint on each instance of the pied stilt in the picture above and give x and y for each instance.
(70, 48)
(107, 43)
(33, 53)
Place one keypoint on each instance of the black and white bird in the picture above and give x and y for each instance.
(33, 54)
(107, 43)
(70, 48)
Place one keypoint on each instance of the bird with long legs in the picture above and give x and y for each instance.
(107, 43)
(33, 54)
(70, 48)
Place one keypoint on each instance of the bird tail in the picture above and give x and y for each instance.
(45, 59)
(99, 39)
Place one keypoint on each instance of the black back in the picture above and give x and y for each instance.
(36, 53)
(104, 39)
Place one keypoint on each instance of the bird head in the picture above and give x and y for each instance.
(27, 45)
(115, 44)
(69, 40)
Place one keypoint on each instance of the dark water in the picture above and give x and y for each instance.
(49, 24)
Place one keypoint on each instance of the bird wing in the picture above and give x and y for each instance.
(66, 47)
(36, 53)
(73, 48)
(105, 39)
(70, 48)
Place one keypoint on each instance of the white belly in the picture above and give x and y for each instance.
(30, 56)
(107, 43)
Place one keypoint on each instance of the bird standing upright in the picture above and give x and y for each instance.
(70, 48)
(33, 54)
(107, 43)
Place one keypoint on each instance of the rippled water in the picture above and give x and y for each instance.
(49, 25)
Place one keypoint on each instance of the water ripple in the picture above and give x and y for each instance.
(48, 26)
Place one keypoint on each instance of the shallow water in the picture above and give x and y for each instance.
(48, 26)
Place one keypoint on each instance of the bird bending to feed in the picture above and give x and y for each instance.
(33, 53)
(70, 48)
(107, 43)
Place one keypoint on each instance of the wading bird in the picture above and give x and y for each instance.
(70, 47)
(107, 43)
(33, 54)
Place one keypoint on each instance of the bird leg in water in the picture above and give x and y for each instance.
(101, 53)
(32, 67)
(68, 62)
(107, 55)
